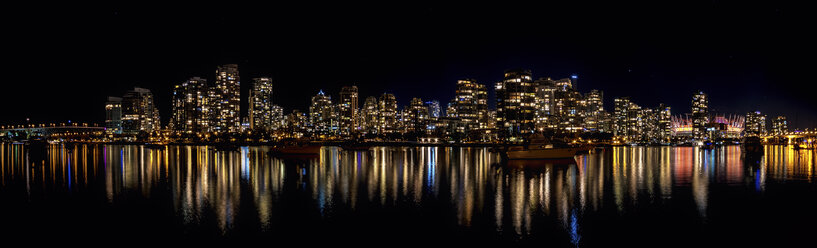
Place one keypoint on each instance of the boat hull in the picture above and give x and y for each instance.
(544, 153)
(298, 150)
(355, 147)
(539, 163)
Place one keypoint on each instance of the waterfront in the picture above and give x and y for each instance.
(419, 195)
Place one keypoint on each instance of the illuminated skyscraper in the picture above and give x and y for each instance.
(606, 122)
(635, 122)
(545, 88)
(417, 117)
(563, 84)
(700, 115)
(569, 106)
(657, 124)
(278, 118)
(545, 119)
(348, 110)
(297, 124)
(433, 109)
(593, 112)
(190, 110)
(370, 116)
(630, 121)
(649, 128)
(387, 114)
(225, 100)
(139, 114)
(482, 107)
(322, 115)
(491, 116)
(515, 104)
(664, 113)
(261, 116)
(561, 107)
(755, 123)
(471, 104)
(622, 105)
(780, 125)
(450, 109)
(113, 115)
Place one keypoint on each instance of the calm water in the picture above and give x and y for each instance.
(644, 196)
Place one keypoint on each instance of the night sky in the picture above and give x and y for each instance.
(63, 61)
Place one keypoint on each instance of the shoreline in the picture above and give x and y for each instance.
(344, 143)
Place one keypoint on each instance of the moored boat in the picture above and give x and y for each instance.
(751, 146)
(542, 152)
(225, 147)
(539, 147)
(355, 147)
(157, 146)
(297, 150)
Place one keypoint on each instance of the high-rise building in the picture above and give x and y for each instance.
(593, 109)
(465, 101)
(387, 114)
(139, 114)
(516, 104)
(700, 115)
(780, 125)
(113, 115)
(261, 116)
(322, 115)
(370, 116)
(348, 110)
(491, 117)
(664, 122)
(417, 117)
(657, 124)
(190, 110)
(569, 106)
(450, 109)
(225, 100)
(629, 120)
(433, 109)
(296, 124)
(635, 122)
(545, 92)
(755, 124)
(606, 122)
(649, 131)
(471, 104)
(544, 118)
(622, 105)
(561, 107)
(278, 118)
(482, 107)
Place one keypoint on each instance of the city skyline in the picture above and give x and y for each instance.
(347, 113)
(718, 52)
(525, 108)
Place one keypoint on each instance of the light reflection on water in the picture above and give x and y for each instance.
(202, 182)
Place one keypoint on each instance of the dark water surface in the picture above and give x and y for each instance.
(634, 196)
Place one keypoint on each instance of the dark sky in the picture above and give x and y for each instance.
(62, 61)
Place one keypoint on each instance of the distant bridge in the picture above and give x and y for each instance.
(48, 130)
(791, 134)
(803, 139)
